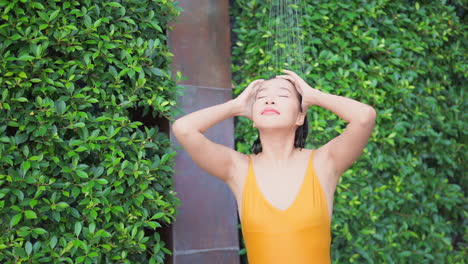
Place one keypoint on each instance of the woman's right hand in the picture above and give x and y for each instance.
(245, 100)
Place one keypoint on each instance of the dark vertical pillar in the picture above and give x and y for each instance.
(206, 227)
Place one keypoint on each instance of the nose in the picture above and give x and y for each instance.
(270, 99)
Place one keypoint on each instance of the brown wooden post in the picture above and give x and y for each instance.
(206, 227)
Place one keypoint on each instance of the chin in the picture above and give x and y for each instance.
(270, 125)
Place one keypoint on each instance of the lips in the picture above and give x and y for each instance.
(270, 110)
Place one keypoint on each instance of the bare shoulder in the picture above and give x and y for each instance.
(241, 164)
(241, 161)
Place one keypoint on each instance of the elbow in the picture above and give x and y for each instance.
(368, 116)
(182, 129)
(174, 126)
(177, 127)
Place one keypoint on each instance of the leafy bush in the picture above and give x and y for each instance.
(404, 200)
(83, 176)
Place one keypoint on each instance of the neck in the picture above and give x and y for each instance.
(277, 146)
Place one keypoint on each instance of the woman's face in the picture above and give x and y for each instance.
(280, 95)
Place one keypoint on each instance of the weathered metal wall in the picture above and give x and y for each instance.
(206, 226)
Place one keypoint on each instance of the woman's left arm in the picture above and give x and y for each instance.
(346, 148)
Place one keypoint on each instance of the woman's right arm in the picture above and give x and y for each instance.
(216, 159)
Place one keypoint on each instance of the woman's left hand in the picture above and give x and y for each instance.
(309, 94)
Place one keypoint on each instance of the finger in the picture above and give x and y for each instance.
(290, 78)
(291, 75)
(256, 83)
(285, 76)
(290, 72)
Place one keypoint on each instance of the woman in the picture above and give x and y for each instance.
(284, 192)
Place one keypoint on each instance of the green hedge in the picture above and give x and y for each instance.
(404, 200)
(84, 176)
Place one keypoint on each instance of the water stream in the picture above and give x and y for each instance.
(284, 48)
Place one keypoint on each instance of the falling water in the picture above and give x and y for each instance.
(284, 49)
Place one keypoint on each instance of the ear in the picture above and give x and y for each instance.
(300, 118)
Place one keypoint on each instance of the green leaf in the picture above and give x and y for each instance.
(157, 71)
(25, 166)
(39, 231)
(68, 247)
(32, 203)
(102, 181)
(30, 214)
(28, 247)
(4, 94)
(114, 4)
(97, 23)
(54, 15)
(92, 227)
(153, 224)
(75, 191)
(117, 208)
(60, 107)
(25, 57)
(37, 5)
(81, 149)
(62, 205)
(98, 172)
(21, 99)
(53, 242)
(36, 158)
(82, 174)
(78, 227)
(15, 219)
(157, 216)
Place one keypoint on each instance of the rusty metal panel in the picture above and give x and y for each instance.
(206, 227)
(217, 257)
(207, 219)
(201, 43)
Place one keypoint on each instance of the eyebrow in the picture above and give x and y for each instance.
(281, 88)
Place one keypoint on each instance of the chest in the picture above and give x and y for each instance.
(280, 187)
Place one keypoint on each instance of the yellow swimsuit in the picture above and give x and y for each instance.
(300, 234)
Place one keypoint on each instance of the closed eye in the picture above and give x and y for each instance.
(279, 96)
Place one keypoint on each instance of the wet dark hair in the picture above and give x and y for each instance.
(301, 131)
